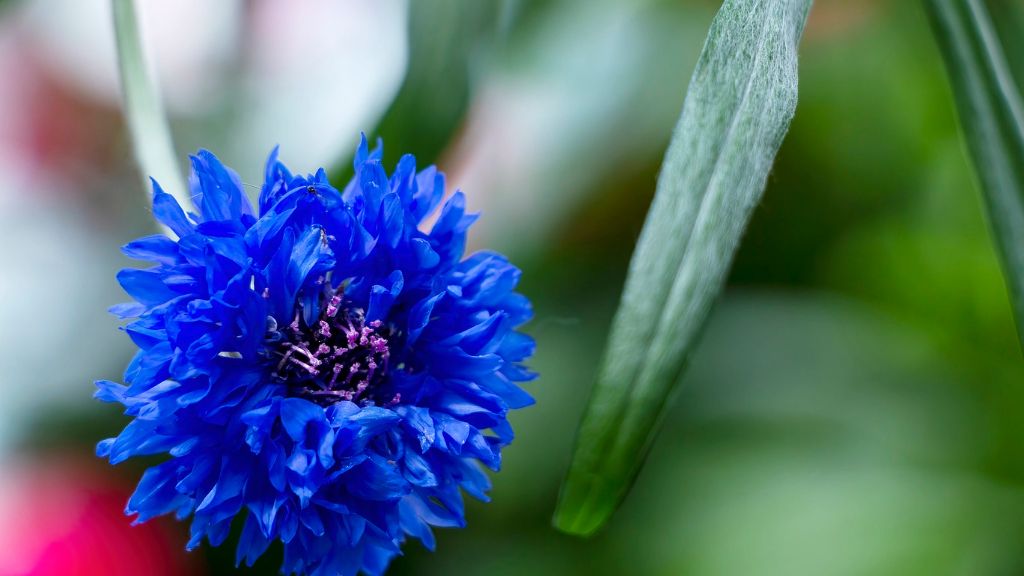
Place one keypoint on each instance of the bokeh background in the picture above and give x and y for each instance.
(856, 406)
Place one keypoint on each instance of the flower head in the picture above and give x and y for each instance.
(320, 367)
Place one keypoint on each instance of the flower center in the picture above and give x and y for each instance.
(341, 357)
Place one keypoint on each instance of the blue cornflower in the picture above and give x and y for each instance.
(323, 368)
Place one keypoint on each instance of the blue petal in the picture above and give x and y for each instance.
(155, 248)
(217, 189)
(146, 286)
(373, 183)
(108, 391)
(381, 297)
(296, 414)
(127, 309)
(251, 544)
(419, 422)
(169, 213)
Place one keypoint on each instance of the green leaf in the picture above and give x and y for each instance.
(445, 39)
(1008, 18)
(992, 122)
(150, 134)
(738, 107)
(444, 36)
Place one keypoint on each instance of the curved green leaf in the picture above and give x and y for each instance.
(992, 120)
(445, 38)
(150, 134)
(738, 107)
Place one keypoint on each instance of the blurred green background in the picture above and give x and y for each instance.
(855, 407)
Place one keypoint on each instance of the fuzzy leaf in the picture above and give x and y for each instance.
(738, 107)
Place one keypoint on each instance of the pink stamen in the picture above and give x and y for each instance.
(340, 356)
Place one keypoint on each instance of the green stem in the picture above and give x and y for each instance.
(147, 123)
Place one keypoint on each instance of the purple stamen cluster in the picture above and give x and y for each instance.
(340, 357)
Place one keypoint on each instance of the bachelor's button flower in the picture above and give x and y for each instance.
(321, 368)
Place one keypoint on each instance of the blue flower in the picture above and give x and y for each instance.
(323, 369)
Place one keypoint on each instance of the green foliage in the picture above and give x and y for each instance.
(150, 134)
(992, 120)
(445, 39)
(740, 102)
